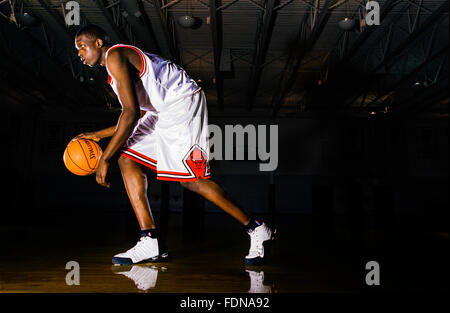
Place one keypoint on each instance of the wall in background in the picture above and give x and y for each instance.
(408, 156)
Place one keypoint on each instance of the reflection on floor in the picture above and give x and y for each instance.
(34, 258)
(257, 282)
(145, 277)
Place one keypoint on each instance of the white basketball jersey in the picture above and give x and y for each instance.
(172, 137)
(161, 83)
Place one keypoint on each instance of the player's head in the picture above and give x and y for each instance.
(89, 41)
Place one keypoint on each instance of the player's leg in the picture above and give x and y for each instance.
(149, 248)
(211, 191)
(260, 233)
(135, 181)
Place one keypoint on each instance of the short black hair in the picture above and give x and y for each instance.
(93, 31)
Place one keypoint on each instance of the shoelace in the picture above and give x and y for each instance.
(256, 244)
(138, 250)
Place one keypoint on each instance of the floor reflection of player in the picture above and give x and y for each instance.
(257, 282)
(144, 277)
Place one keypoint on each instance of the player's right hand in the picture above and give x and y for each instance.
(88, 135)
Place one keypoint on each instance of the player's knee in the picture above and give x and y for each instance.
(184, 184)
(188, 185)
(124, 161)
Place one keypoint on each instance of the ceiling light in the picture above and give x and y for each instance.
(187, 21)
(417, 85)
(347, 24)
(131, 7)
(26, 19)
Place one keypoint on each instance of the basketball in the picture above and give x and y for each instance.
(82, 156)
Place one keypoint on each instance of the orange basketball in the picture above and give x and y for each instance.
(81, 156)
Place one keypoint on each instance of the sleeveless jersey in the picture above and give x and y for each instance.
(161, 84)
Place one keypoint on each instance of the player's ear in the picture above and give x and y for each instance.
(99, 43)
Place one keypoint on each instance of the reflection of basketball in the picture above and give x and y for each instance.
(81, 156)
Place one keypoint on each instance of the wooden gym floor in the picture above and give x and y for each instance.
(34, 256)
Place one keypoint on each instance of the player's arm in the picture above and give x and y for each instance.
(97, 135)
(105, 133)
(102, 133)
(117, 66)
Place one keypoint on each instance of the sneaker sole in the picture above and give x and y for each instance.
(158, 258)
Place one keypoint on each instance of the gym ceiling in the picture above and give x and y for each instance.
(256, 58)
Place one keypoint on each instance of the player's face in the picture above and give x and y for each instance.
(89, 49)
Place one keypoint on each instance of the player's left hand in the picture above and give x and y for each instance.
(102, 170)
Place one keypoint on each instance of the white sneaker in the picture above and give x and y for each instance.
(257, 282)
(146, 250)
(259, 236)
(144, 277)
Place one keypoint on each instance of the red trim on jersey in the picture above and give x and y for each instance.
(175, 173)
(182, 179)
(141, 155)
(143, 62)
(153, 168)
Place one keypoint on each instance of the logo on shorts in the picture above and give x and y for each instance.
(197, 162)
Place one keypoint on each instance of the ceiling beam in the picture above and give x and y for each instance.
(434, 18)
(295, 59)
(216, 32)
(432, 98)
(368, 30)
(68, 41)
(173, 52)
(392, 56)
(56, 82)
(340, 74)
(59, 21)
(418, 100)
(263, 36)
(141, 30)
(119, 34)
(411, 74)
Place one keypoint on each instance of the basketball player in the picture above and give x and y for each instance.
(163, 126)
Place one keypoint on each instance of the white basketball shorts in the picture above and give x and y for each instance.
(173, 142)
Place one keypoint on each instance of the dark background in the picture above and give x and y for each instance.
(391, 171)
(362, 118)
